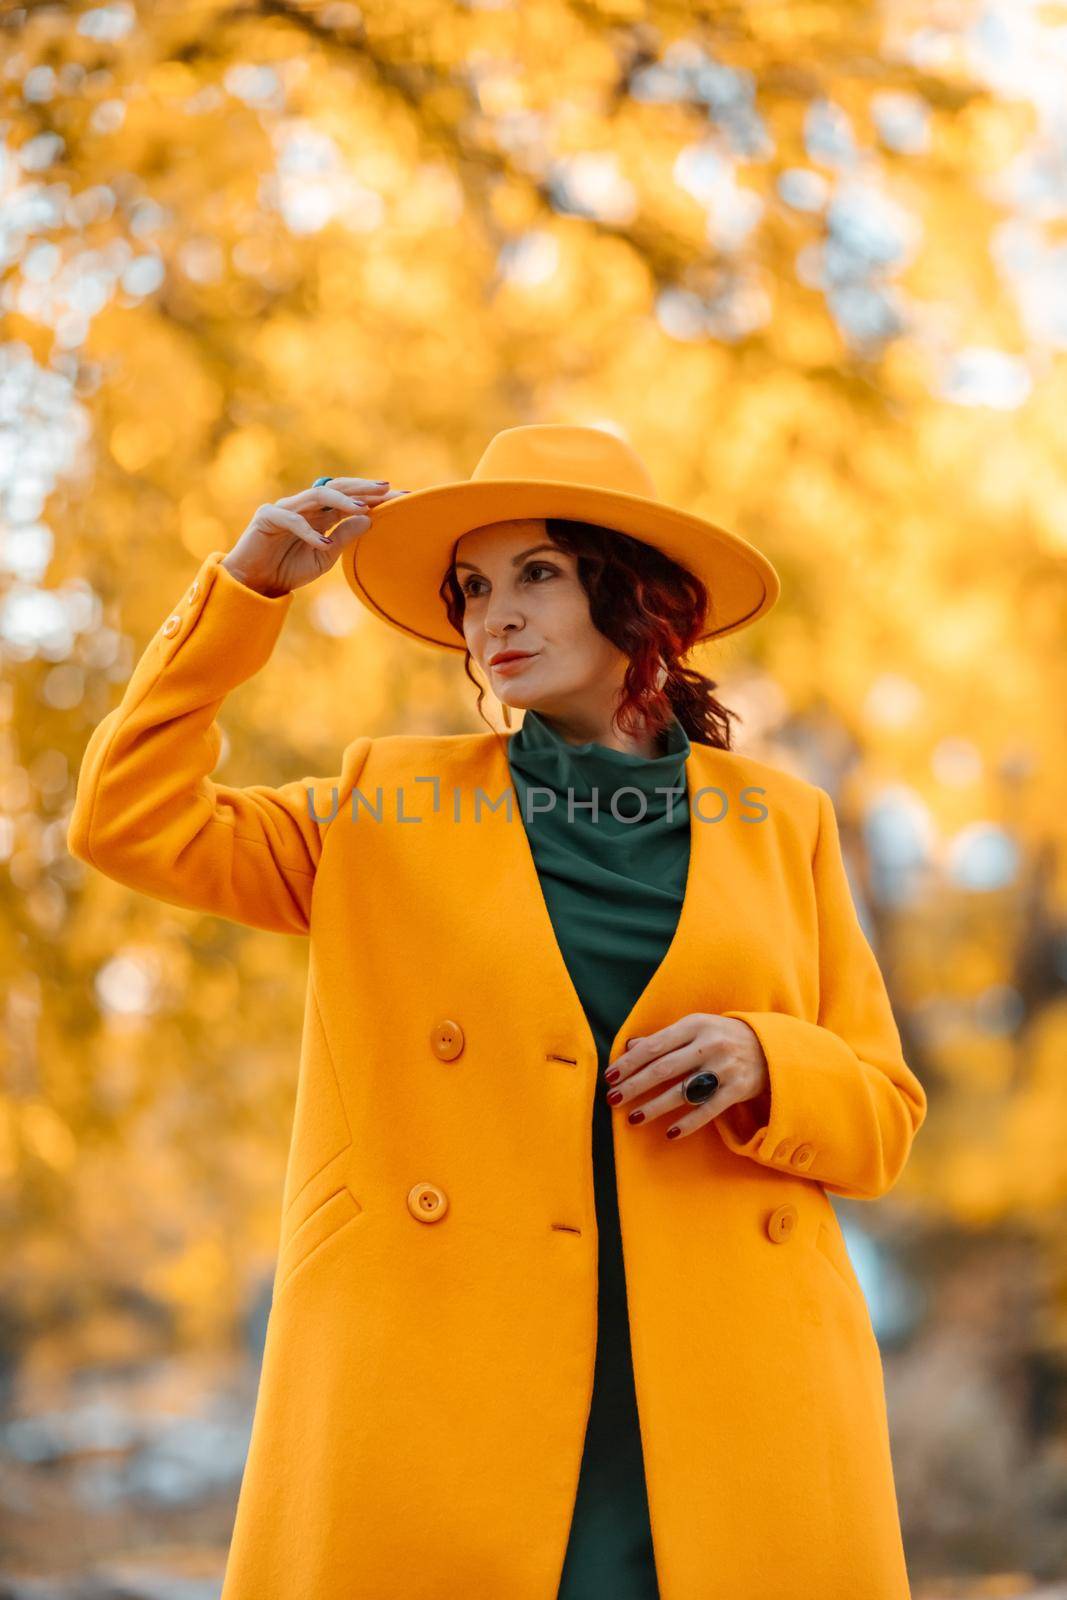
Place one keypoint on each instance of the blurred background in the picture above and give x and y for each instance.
(811, 260)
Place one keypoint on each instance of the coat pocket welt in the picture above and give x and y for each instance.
(327, 1219)
(830, 1242)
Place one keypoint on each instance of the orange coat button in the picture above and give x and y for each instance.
(803, 1155)
(781, 1149)
(172, 625)
(447, 1040)
(781, 1222)
(194, 588)
(427, 1202)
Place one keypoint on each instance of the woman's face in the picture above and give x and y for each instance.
(521, 592)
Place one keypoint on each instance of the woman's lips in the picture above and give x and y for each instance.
(514, 664)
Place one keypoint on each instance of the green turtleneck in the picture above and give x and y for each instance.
(614, 890)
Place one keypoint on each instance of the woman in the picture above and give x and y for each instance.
(464, 1392)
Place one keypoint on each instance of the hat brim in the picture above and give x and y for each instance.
(396, 566)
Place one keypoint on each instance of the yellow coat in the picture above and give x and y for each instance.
(429, 1352)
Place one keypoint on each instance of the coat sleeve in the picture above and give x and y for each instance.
(843, 1106)
(146, 812)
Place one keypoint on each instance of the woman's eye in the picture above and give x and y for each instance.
(470, 591)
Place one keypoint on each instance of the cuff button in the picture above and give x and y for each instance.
(803, 1155)
(194, 588)
(171, 626)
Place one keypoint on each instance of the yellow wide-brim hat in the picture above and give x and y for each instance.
(545, 469)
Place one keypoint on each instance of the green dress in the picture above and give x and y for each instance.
(614, 890)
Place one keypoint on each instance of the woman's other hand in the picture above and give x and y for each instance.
(700, 1042)
(293, 541)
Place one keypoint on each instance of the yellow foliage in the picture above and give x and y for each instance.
(382, 233)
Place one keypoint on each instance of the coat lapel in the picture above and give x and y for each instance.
(541, 959)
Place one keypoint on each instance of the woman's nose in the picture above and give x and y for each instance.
(497, 622)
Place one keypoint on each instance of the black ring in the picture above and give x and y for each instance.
(703, 1083)
(320, 481)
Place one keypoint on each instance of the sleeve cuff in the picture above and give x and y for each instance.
(221, 627)
(769, 1126)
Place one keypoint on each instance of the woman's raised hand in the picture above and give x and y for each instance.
(292, 541)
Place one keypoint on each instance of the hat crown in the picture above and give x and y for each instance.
(561, 452)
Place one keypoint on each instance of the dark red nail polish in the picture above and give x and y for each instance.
(636, 1116)
(614, 1097)
(673, 1133)
(612, 1075)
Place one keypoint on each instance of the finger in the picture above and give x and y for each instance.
(324, 498)
(343, 533)
(675, 1064)
(698, 1117)
(673, 1099)
(375, 499)
(292, 522)
(640, 1051)
(365, 488)
(361, 518)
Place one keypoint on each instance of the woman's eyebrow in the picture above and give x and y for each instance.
(515, 559)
